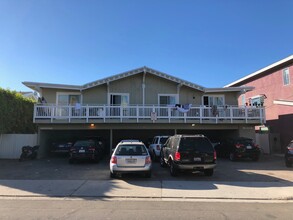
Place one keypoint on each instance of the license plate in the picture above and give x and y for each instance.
(81, 151)
(197, 159)
(131, 161)
(248, 147)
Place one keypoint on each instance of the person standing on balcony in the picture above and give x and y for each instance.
(43, 100)
(43, 110)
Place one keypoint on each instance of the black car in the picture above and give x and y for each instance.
(289, 155)
(86, 149)
(61, 147)
(237, 148)
(188, 152)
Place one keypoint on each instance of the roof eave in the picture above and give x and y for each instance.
(261, 71)
(37, 86)
(230, 89)
(140, 70)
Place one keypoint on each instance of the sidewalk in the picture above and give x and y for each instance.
(147, 189)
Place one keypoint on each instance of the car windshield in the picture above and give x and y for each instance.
(131, 150)
(195, 144)
(163, 140)
(84, 143)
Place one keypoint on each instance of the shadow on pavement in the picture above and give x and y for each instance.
(56, 177)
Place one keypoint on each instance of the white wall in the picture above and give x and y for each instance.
(10, 144)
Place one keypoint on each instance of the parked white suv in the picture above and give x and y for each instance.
(155, 146)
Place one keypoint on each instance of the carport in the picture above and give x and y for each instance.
(113, 134)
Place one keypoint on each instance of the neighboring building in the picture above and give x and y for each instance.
(31, 95)
(140, 104)
(274, 90)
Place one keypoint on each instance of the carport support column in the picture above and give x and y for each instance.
(111, 141)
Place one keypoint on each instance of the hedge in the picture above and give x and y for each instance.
(16, 113)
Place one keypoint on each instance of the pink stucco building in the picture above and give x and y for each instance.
(274, 90)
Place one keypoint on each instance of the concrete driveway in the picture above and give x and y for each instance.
(267, 179)
(268, 169)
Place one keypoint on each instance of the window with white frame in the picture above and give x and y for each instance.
(63, 100)
(68, 98)
(119, 99)
(257, 100)
(286, 77)
(168, 99)
(217, 100)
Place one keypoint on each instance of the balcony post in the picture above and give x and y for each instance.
(69, 113)
(137, 113)
(87, 113)
(200, 114)
(169, 114)
(53, 110)
(231, 114)
(261, 115)
(121, 113)
(246, 115)
(104, 109)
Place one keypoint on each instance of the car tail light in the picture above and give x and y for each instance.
(114, 159)
(148, 160)
(92, 148)
(215, 155)
(177, 156)
(158, 147)
(256, 145)
(239, 145)
(290, 148)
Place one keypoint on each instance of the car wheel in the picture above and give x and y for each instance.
(232, 156)
(288, 164)
(154, 156)
(148, 174)
(173, 170)
(112, 175)
(162, 161)
(208, 172)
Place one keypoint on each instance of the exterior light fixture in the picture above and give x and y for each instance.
(92, 125)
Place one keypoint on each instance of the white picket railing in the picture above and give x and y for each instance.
(154, 113)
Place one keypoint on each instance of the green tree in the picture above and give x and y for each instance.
(16, 113)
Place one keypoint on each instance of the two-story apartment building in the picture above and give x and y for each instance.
(140, 104)
(274, 90)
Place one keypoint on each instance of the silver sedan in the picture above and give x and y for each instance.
(130, 157)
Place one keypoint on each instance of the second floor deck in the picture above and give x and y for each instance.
(51, 113)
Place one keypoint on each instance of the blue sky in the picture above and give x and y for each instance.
(208, 42)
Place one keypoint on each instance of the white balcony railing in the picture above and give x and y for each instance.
(108, 113)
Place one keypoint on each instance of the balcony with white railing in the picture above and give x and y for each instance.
(147, 114)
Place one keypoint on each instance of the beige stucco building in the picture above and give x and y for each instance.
(140, 104)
